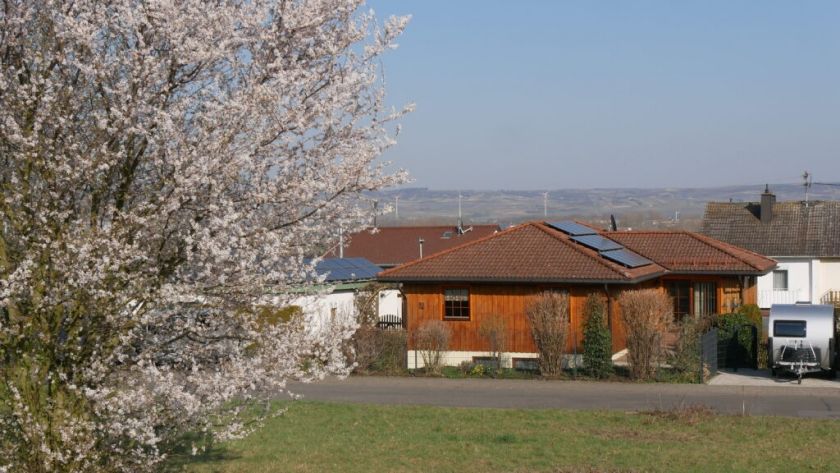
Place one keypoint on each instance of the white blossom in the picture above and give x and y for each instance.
(165, 165)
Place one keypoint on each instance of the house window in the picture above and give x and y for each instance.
(456, 304)
(695, 298)
(680, 292)
(705, 298)
(780, 280)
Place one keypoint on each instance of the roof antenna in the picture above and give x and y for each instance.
(397, 208)
(420, 242)
(613, 225)
(460, 220)
(806, 177)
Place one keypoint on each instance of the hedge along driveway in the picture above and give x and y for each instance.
(786, 401)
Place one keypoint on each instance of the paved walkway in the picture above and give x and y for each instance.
(748, 377)
(802, 401)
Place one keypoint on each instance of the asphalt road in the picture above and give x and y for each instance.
(800, 401)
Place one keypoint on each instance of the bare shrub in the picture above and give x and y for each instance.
(494, 330)
(378, 350)
(647, 315)
(432, 340)
(548, 317)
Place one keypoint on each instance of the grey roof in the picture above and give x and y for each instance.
(796, 229)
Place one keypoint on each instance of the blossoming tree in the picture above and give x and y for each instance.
(164, 165)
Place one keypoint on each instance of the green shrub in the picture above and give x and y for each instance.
(686, 357)
(597, 340)
(751, 312)
(734, 332)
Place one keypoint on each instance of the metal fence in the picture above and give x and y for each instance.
(738, 349)
(390, 322)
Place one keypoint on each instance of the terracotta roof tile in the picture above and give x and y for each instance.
(535, 252)
(391, 246)
(531, 252)
(687, 252)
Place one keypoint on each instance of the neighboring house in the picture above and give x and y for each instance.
(392, 246)
(804, 237)
(500, 275)
(336, 296)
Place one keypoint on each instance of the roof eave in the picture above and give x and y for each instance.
(444, 279)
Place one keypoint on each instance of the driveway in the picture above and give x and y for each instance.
(747, 377)
(803, 401)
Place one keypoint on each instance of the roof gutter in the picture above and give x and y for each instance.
(524, 280)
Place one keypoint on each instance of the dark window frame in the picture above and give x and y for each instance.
(455, 309)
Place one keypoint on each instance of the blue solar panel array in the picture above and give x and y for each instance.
(627, 258)
(347, 269)
(597, 242)
(572, 228)
(607, 248)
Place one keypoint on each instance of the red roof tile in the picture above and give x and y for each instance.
(391, 246)
(682, 252)
(531, 252)
(535, 252)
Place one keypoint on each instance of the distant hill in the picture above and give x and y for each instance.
(639, 208)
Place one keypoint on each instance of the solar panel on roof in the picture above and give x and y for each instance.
(597, 242)
(627, 258)
(347, 269)
(572, 228)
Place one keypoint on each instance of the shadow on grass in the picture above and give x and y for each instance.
(180, 455)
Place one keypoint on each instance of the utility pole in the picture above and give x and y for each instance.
(397, 208)
(545, 204)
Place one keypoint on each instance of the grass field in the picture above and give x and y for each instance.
(324, 437)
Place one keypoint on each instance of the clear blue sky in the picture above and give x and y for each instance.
(556, 94)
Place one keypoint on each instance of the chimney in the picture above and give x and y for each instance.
(767, 202)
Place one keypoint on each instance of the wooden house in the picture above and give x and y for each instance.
(500, 275)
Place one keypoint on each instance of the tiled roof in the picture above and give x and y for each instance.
(535, 252)
(796, 229)
(686, 252)
(391, 246)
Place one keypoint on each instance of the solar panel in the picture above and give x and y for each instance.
(572, 228)
(347, 269)
(627, 258)
(597, 242)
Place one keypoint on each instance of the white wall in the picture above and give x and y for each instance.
(319, 309)
(800, 283)
(455, 358)
(390, 302)
(828, 276)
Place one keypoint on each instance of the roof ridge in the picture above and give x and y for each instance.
(449, 250)
(725, 247)
(611, 266)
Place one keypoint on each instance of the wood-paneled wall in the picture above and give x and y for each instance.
(425, 302)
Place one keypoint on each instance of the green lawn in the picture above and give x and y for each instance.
(323, 437)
